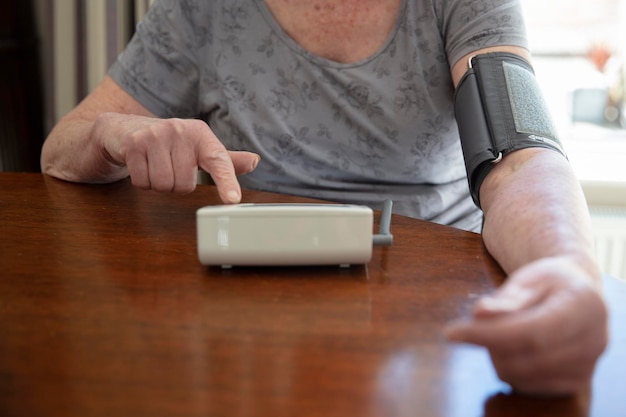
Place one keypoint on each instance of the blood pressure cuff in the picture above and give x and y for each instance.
(499, 109)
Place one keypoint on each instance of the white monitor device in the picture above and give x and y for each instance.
(285, 234)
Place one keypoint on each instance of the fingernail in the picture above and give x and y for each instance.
(499, 304)
(255, 162)
(233, 197)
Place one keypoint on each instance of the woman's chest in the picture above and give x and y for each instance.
(340, 30)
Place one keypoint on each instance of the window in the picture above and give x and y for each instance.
(580, 62)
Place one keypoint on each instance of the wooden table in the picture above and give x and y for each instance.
(106, 311)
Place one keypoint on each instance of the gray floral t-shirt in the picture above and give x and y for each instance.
(361, 133)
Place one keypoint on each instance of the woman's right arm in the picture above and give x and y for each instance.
(110, 136)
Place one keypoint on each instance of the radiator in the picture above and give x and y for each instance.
(609, 227)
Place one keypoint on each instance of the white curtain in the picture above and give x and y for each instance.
(79, 40)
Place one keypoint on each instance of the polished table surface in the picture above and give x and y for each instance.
(105, 310)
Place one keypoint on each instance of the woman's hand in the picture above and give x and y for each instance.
(544, 328)
(164, 154)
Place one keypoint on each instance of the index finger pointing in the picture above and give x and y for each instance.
(215, 159)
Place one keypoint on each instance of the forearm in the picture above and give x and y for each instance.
(72, 153)
(75, 149)
(535, 208)
(546, 326)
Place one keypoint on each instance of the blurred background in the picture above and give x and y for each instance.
(53, 52)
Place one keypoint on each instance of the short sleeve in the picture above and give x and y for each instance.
(159, 66)
(470, 25)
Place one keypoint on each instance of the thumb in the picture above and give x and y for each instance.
(508, 300)
(522, 290)
(244, 162)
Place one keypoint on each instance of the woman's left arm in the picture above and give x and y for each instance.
(547, 325)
